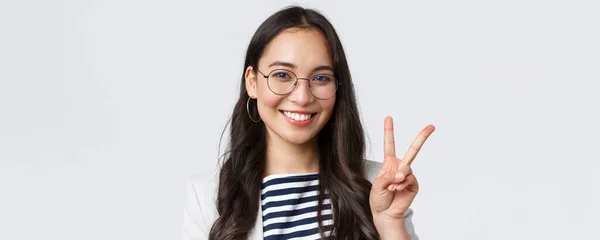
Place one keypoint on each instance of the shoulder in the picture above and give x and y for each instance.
(204, 180)
(200, 206)
(204, 186)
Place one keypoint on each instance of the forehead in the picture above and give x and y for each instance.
(305, 48)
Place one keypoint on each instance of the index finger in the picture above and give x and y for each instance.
(415, 147)
(389, 147)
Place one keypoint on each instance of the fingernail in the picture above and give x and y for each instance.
(391, 187)
(399, 176)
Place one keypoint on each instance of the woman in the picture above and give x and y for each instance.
(295, 166)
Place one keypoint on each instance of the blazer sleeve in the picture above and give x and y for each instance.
(200, 209)
(372, 169)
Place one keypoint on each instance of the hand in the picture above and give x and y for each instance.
(395, 187)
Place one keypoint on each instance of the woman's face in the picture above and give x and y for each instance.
(296, 117)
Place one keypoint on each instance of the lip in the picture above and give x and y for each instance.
(298, 123)
(298, 111)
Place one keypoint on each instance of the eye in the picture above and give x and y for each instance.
(281, 75)
(322, 78)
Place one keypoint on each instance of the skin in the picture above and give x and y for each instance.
(395, 187)
(294, 149)
(290, 148)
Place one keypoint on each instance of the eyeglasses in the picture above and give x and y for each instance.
(282, 82)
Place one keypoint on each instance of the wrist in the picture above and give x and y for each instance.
(394, 234)
(392, 229)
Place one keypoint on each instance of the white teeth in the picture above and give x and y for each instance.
(297, 116)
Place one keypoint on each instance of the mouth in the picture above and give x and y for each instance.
(298, 118)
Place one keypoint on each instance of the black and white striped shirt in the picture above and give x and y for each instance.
(289, 207)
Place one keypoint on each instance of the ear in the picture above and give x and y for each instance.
(250, 82)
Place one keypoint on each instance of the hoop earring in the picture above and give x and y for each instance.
(248, 110)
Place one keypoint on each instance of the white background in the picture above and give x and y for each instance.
(106, 107)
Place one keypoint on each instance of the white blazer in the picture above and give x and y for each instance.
(201, 210)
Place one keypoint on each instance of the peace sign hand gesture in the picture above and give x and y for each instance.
(395, 186)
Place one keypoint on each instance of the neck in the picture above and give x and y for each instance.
(283, 157)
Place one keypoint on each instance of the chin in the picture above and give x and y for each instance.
(298, 139)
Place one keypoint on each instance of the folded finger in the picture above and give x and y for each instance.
(410, 181)
(386, 178)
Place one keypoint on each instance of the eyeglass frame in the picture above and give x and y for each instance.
(337, 83)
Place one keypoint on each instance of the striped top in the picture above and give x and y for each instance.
(289, 207)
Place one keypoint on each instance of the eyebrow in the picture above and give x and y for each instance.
(293, 66)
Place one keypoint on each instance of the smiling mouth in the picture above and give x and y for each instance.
(300, 117)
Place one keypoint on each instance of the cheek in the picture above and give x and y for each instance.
(268, 101)
(327, 109)
(328, 105)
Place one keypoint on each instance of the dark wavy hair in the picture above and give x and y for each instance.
(341, 146)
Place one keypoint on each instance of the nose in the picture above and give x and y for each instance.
(301, 94)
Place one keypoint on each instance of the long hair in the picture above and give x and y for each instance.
(341, 146)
